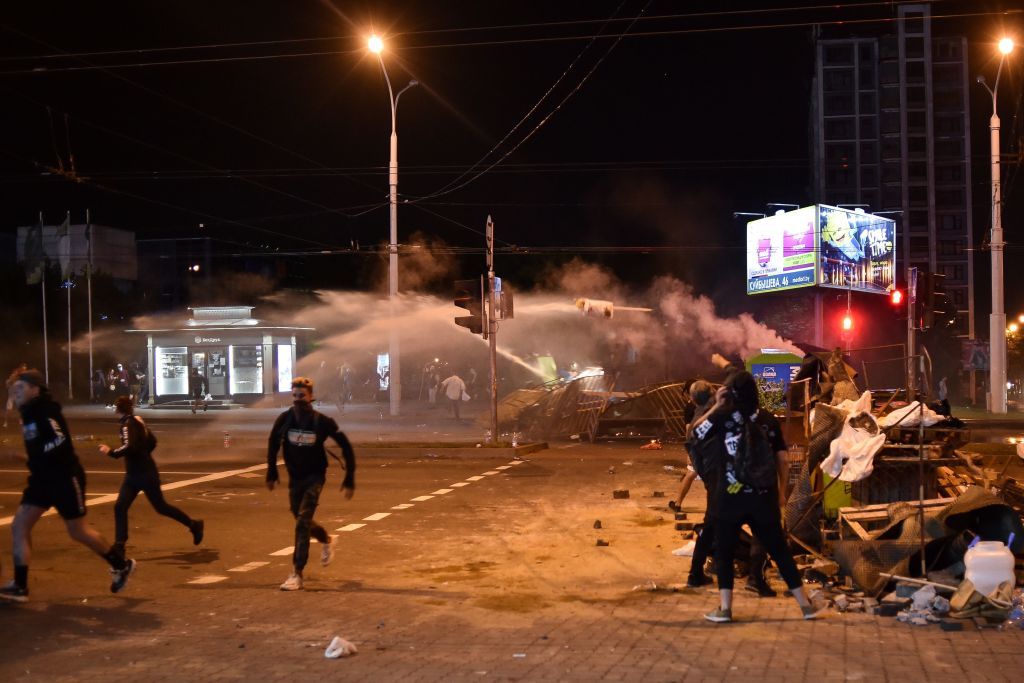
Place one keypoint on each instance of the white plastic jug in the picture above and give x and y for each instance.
(989, 563)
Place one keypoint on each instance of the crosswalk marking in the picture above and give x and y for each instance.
(248, 566)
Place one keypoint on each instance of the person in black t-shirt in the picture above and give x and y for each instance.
(301, 431)
(141, 474)
(730, 426)
(56, 479)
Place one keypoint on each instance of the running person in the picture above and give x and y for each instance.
(56, 479)
(302, 431)
(141, 474)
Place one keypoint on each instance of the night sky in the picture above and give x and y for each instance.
(268, 122)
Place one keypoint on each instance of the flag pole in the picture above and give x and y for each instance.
(46, 347)
(88, 288)
(67, 284)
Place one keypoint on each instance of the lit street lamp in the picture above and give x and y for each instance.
(376, 46)
(997, 321)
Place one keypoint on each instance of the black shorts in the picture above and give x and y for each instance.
(66, 493)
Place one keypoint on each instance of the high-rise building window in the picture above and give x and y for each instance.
(914, 47)
(838, 104)
(839, 54)
(838, 80)
(868, 128)
(839, 129)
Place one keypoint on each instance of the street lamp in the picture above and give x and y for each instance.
(997, 321)
(376, 46)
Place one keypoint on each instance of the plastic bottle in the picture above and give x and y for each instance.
(989, 563)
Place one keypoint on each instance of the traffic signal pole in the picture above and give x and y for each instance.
(911, 328)
(492, 330)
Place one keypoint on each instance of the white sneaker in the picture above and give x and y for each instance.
(327, 550)
(292, 583)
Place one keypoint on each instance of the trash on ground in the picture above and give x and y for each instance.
(620, 493)
(686, 550)
(340, 647)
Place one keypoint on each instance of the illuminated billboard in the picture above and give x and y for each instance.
(781, 251)
(858, 250)
(821, 245)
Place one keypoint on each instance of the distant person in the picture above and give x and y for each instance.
(98, 386)
(110, 388)
(453, 389)
(135, 378)
(301, 432)
(197, 387)
(433, 382)
(121, 382)
(11, 379)
(345, 388)
(56, 479)
(749, 442)
(944, 396)
(141, 474)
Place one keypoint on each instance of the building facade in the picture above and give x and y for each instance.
(891, 122)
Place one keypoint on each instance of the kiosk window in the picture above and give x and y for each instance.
(171, 370)
(246, 369)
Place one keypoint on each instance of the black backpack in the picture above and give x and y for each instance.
(149, 440)
(755, 463)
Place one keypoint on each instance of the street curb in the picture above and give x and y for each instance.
(454, 451)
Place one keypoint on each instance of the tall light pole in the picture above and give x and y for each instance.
(997, 321)
(376, 46)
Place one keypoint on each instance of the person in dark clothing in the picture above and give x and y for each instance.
(141, 474)
(733, 424)
(701, 394)
(301, 432)
(56, 479)
(197, 387)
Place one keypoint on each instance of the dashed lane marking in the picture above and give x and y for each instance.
(440, 492)
(420, 499)
(283, 551)
(351, 527)
(516, 462)
(248, 566)
(376, 516)
(209, 578)
(487, 474)
(474, 478)
(402, 506)
(459, 485)
(503, 467)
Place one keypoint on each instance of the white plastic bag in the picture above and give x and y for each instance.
(686, 550)
(339, 647)
(465, 396)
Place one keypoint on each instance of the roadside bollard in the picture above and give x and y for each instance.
(227, 440)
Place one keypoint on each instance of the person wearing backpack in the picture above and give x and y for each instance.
(749, 440)
(301, 432)
(141, 474)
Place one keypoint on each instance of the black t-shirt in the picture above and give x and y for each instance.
(727, 427)
(302, 437)
(47, 439)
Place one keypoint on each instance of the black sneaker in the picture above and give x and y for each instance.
(698, 580)
(197, 531)
(119, 577)
(13, 593)
(761, 588)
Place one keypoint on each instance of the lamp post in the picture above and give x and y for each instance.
(997, 321)
(376, 46)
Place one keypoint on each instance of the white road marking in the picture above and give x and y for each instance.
(110, 498)
(351, 527)
(248, 566)
(88, 472)
(459, 485)
(503, 467)
(420, 499)
(474, 478)
(283, 551)
(18, 493)
(516, 462)
(402, 506)
(487, 474)
(440, 492)
(209, 578)
(376, 516)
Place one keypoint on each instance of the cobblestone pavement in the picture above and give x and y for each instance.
(497, 579)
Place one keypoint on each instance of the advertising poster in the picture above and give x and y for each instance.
(781, 251)
(858, 250)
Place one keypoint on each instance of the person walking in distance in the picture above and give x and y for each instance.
(301, 432)
(453, 388)
(197, 387)
(141, 474)
(56, 479)
(750, 445)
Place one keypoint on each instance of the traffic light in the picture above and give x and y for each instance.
(469, 294)
(931, 301)
(896, 297)
(847, 322)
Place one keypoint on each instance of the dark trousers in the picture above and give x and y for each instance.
(455, 407)
(304, 497)
(148, 483)
(703, 546)
(761, 512)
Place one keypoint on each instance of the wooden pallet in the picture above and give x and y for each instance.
(854, 518)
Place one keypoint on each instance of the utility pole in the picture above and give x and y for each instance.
(492, 329)
(911, 328)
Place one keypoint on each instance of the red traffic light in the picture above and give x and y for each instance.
(896, 297)
(847, 322)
